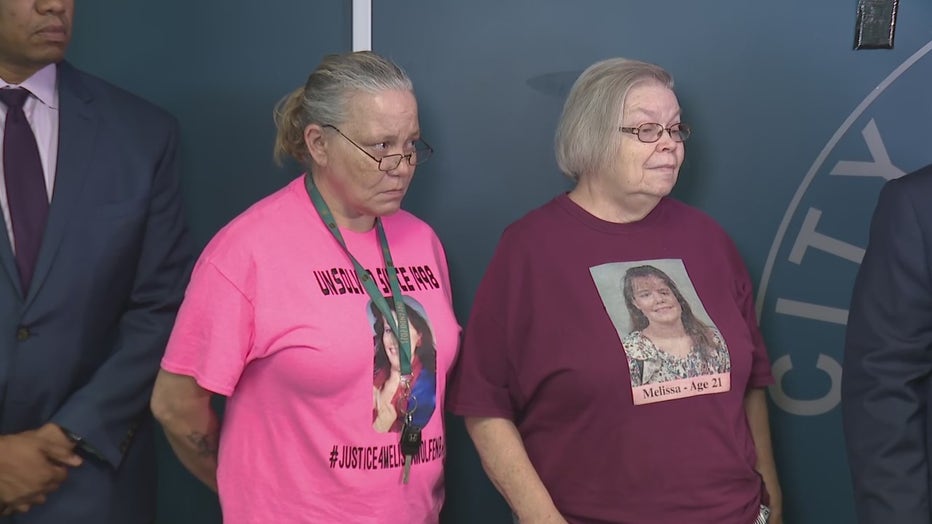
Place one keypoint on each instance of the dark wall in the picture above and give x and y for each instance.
(794, 133)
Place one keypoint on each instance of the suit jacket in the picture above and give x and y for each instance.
(83, 347)
(888, 359)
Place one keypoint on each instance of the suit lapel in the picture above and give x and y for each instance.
(77, 129)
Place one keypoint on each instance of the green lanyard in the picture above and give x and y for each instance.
(399, 328)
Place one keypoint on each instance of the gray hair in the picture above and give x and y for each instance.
(323, 98)
(585, 138)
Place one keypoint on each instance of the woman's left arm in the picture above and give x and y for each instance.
(755, 405)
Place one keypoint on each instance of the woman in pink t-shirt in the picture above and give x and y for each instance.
(280, 318)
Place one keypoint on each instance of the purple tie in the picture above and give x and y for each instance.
(25, 185)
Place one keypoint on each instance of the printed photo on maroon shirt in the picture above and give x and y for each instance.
(672, 346)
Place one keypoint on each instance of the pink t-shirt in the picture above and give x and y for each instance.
(275, 319)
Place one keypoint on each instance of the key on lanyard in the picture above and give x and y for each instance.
(410, 441)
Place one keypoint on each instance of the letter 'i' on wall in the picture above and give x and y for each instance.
(362, 25)
(807, 280)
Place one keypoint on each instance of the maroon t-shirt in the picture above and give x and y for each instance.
(552, 343)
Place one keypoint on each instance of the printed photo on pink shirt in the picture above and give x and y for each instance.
(395, 396)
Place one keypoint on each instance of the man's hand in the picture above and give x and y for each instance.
(54, 435)
(32, 465)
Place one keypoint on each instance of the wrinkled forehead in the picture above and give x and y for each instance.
(651, 99)
(391, 108)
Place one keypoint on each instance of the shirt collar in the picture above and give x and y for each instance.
(41, 84)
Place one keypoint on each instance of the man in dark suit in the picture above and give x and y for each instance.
(93, 264)
(887, 380)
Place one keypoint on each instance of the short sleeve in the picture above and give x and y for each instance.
(761, 375)
(213, 333)
(482, 381)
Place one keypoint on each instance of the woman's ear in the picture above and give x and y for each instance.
(316, 143)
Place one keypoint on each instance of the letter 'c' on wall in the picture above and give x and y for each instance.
(818, 406)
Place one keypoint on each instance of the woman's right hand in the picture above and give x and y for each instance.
(505, 460)
(190, 423)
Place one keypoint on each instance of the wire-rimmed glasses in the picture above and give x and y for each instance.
(651, 132)
(421, 153)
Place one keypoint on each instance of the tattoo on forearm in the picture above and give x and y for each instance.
(205, 444)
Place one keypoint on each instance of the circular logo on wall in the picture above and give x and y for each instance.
(807, 281)
(810, 270)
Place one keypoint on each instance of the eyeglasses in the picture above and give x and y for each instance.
(651, 132)
(421, 153)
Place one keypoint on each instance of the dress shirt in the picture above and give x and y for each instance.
(42, 113)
